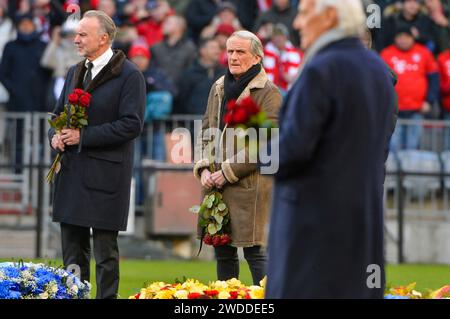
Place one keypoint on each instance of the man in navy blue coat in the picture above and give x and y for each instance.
(92, 189)
(326, 232)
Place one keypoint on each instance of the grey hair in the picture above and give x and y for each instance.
(256, 46)
(107, 25)
(350, 14)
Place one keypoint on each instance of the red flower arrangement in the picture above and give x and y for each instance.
(74, 117)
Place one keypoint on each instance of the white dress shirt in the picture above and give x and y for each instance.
(100, 62)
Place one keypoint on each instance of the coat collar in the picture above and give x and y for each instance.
(110, 71)
(258, 82)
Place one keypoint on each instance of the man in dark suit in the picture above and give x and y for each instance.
(92, 189)
(326, 232)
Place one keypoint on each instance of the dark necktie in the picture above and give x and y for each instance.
(88, 76)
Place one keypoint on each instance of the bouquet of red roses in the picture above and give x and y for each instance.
(245, 114)
(74, 117)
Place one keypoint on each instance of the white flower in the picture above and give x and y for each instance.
(181, 294)
(224, 295)
(43, 295)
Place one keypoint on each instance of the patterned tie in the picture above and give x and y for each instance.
(88, 75)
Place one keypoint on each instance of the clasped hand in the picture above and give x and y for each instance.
(210, 180)
(66, 137)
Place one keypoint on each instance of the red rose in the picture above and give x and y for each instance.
(228, 118)
(85, 100)
(225, 239)
(207, 239)
(231, 105)
(240, 116)
(194, 295)
(73, 98)
(216, 241)
(211, 293)
(250, 105)
(233, 294)
(78, 92)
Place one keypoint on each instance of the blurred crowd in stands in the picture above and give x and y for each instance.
(179, 46)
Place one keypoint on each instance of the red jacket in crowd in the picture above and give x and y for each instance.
(412, 68)
(444, 72)
(279, 65)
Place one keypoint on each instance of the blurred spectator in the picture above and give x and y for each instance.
(226, 14)
(417, 87)
(149, 16)
(196, 82)
(444, 71)
(264, 32)
(176, 53)
(281, 59)
(223, 32)
(59, 56)
(199, 13)
(440, 17)
(281, 12)
(160, 91)
(155, 79)
(20, 69)
(126, 35)
(422, 27)
(7, 33)
(110, 8)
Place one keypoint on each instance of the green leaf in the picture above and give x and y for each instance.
(209, 204)
(212, 229)
(212, 197)
(221, 207)
(83, 122)
(194, 209)
(218, 219)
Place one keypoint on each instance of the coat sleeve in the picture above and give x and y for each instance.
(203, 141)
(307, 113)
(232, 168)
(129, 124)
(6, 68)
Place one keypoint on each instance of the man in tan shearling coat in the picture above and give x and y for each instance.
(246, 192)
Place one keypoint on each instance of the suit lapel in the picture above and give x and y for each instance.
(110, 71)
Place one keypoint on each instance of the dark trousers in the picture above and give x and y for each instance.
(76, 249)
(228, 262)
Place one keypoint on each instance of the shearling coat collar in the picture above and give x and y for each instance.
(110, 71)
(258, 82)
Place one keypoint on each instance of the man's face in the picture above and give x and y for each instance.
(280, 41)
(312, 24)
(89, 40)
(26, 26)
(240, 57)
(404, 41)
(411, 7)
(170, 25)
(141, 62)
(211, 52)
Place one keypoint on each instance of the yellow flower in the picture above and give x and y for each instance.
(234, 283)
(164, 294)
(263, 282)
(256, 292)
(219, 285)
(224, 295)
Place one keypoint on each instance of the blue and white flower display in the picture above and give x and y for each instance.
(39, 281)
